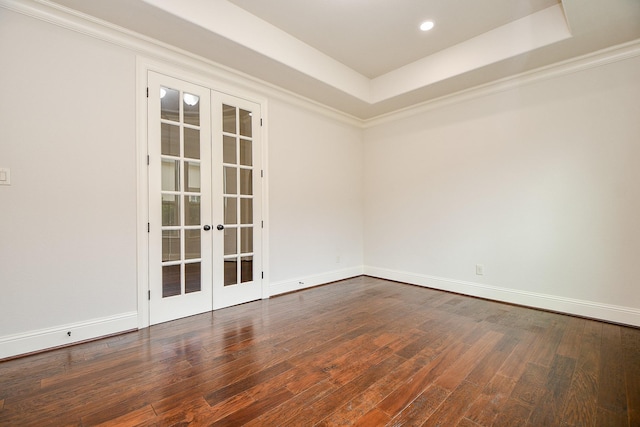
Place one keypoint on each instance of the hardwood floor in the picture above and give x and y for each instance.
(361, 352)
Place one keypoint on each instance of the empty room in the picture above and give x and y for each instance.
(284, 212)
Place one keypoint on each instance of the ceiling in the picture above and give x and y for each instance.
(367, 58)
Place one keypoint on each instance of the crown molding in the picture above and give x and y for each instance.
(139, 44)
(571, 66)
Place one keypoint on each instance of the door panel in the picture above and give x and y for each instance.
(180, 249)
(236, 154)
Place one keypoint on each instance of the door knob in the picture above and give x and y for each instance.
(220, 227)
(207, 227)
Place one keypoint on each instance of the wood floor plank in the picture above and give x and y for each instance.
(581, 406)
(418, 411)
(631, 359)
(551, 408)
(452, 410)
(413, 387)
(612, 395)
(530, 388)
(363, 351)
(491, 401)
(513, 413)
(144, 416)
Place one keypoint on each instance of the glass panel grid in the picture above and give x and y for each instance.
(181, 192)
(238, 195)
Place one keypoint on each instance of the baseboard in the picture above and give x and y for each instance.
(29, 342)
(590, 309)
(310, 281)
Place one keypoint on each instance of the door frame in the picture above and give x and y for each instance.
(201, 74)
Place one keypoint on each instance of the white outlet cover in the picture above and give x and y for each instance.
(5, 176)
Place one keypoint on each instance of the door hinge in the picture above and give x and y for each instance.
(261, 224)
(148, 227)
(148, 160)
(260, 121)
(261, 173)
(147, 92)
(149, 295)
(263, 274)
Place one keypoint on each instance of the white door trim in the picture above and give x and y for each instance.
(143, 66)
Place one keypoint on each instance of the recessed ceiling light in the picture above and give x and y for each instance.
(426, 25)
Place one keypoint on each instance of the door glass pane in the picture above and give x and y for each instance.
(191, 105)
(191, 143)
(245, 123)
(246, 211)
(191, 210)
(171, 281)
(246, 269)
(192, 278)
(230, 210)
(228, 119)
(230, 181)
(192, 247)
(230, 271)
(246, 186)
(170, 136)
(229, 150)
(170, 210)
(170, 245)
(245, 152)
(230, 241)
(169, 104)
(191, 176)
(246, 240)
(170, 175)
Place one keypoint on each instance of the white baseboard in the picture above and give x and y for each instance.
(310, 281)
(590, 309)
(28, 342)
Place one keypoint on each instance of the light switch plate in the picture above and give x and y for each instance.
(5, 176)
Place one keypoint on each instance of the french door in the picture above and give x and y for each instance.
(204, 199)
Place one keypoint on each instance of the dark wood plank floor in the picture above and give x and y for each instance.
(359, 352)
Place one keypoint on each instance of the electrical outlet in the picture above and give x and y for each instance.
(479, 269)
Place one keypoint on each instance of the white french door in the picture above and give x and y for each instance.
(204, 199)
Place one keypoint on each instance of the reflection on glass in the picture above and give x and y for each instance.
(170, 245)
(191, 210)
(230, 185)
(170, 175)
(246, 211)
(170, 140)
(230, 241)
(192, 278)
(192, 247)
(171, 281)
(170, 210)
(230, 210)
(246, 186)
(192, 143)
(191, 176)
(191, 105)
(246, 240)
(246, 269)
(169, 104)
(245, 152)
(229, 150)
(230, 271)
(228, 119)
(245, 123)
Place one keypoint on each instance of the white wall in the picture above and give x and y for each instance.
(315, 199)
(538, 183)
(68, 221)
